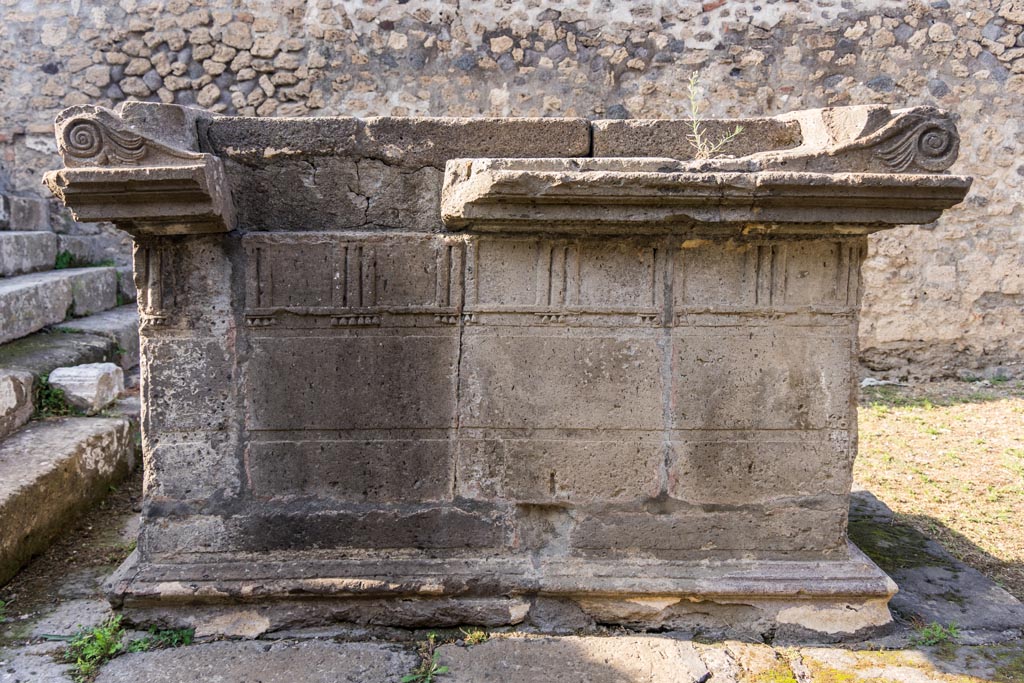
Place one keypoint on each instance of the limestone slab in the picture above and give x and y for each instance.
(30, 302)
(280, 662)
(120, 325)
(41, 352)
(15, 399)
(636, 659)
(671, 137)
(26, 252)
(24, 213)
(652, 196)
(90, 387)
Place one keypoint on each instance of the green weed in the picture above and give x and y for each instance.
(430, 665)
(474, 636)
(66, 259)
(703, 147)
(936, 634)
(51, 401)
(92, 648)
(160, 640)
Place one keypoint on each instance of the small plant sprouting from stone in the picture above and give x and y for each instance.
(3, 611)
(51, 402)
(430, 665)
(90, 649)
(65, 259)
(159, 640)
(703, 146)
(474, 636)
(937, 634)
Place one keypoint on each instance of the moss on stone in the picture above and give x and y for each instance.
(1011, 670)
(776, 675)
(894, 546)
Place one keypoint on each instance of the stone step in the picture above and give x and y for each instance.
(52, 470)
(24, 213)
(41, 352)
(31, 302)
(120, 325)
(26, 252)
(100, 248)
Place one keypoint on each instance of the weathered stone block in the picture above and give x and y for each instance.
(671, 137)
(120, 325)
(576, 471)
(814, 528)
(30, 302)
(24, 213)
(757, 467)
(345, 379)
(428, 528)
(187, 384)
(89, 387)
(523, 379)
(15, 400)
(365, 470)
(26, 252)
(762, 377)
(191, 468)
(374, 173)
(50, 471)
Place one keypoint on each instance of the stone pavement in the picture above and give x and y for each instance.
(935, 587)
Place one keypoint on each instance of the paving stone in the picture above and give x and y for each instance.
(120, 324)
(934, 585)
(622, 659)
(32, 665)
(30, 302)
(26, 252)
(15, 400)
(50, 471)
(281, 662)
(907, 666)
(70, 617)
(91, 387)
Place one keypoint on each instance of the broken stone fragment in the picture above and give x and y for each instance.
(91, 387)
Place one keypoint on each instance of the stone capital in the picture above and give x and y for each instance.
(140, 167)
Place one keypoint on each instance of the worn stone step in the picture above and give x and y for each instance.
(120, 325)
(50, 471)
(26, 252)
(24, 213)
(41, 352)
(99, 248)
(30, 302)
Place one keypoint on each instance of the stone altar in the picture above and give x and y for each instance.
(427, 372)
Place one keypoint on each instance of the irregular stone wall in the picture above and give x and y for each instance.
(939, 299)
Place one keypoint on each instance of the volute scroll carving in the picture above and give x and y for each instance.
(140, 167)
(88, 136)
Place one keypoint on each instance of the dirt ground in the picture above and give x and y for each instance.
(948, 458)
